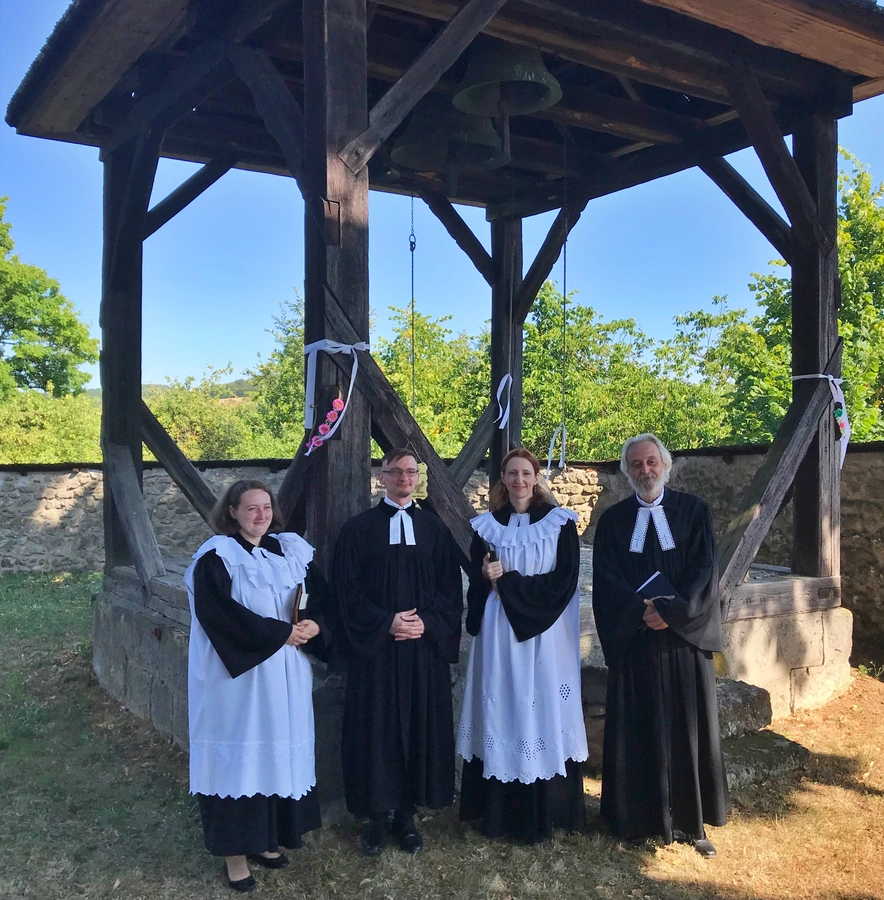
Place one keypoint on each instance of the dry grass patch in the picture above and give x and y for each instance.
(95, 805)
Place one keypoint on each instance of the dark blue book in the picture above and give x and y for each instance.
(656, 586)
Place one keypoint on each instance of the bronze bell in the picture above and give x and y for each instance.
(506, 79)
(440, 138)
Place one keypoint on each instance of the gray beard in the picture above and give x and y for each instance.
(648, 490)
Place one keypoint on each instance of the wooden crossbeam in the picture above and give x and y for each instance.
(770, 145)
(461, 232)
(782, 597)
(473, 451)
(765, 218)
(544, 261)
(180, 468)
(195, 77)
(186, 193)
(765, 494)
(390, 414)
(293, 482)
(390, 111)
(132, 510)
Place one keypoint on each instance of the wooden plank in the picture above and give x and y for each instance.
(783, 597)
(847, 36)
(765, 494)
(817, 505)
(294, 482)
(473, 451)
(134, 518)
(188, 79)
(390, 111)
(506, 336)
(180, 468)
(461, 232)
(335, 249)
(865, 90)
(186, 193)
(277, 107)
(765, 218)
(546, 258)
(390, 414)
(767, 138)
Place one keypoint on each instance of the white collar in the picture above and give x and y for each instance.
(401, 522)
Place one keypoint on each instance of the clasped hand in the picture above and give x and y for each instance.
(491, 571)
(302, 632)
(651, 617)
(407, 625)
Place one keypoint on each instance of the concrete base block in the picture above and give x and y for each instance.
(815, 686)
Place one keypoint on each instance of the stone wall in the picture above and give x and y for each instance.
(50, 517)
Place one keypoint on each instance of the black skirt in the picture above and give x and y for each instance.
(240, 826)
(524, 812)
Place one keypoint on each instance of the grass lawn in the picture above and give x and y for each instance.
(94, 805)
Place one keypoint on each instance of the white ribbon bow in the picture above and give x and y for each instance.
(646, 512)
(310, 352)
(561, 428)
(503, 415)
(400, 522)
(838, 397)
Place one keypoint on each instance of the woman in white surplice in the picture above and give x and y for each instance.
(521, 732)
(250, 685)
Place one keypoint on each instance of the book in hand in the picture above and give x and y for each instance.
(656, 586)
(490, 551)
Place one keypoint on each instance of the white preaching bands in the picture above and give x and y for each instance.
(400, 522)
(646, 512)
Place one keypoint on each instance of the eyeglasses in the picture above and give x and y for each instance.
(398, 473)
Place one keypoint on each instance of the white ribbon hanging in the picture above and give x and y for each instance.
(400, 522)
(561, 428)
(503, 415)
(838, 397)
(646, 512)
(310, 352)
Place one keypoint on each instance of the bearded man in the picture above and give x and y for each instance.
(655, 601)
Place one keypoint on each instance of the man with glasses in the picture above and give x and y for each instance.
(400, 601)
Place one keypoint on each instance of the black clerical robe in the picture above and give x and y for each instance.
(397, 744)
(663, 771)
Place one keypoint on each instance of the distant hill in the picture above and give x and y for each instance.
(242, 387)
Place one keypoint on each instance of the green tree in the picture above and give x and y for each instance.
(37, 428)
(42, 340)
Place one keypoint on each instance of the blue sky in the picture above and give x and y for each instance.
(216, 274)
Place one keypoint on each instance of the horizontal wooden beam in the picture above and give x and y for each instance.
(783, 596)
(461, 232)
(186, 193)
(765, 494)
(132, 511)
(473, 451)
(390, 111)
(765, 218)
(180, 468)
(546, 258)
(770, 145)
(390, 414)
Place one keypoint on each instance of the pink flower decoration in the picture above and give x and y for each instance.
(316, 441)
(324, 428)
(337, 404)
(332, 416)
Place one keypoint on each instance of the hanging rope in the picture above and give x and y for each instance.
(412, 244)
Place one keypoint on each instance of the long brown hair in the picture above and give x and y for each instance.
(221, 520)
(499, 496)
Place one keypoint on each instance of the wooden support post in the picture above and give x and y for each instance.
(817, 504)
(123, 480)
(336, 256)
(765, 218)
(765, 494)
(180, 468)
(473, 451)
(186, 193)
(506, 335)
(460, 231)
(128, 179)
(427, 69)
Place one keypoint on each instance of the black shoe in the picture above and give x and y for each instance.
(244, 885)
(407, 835)
(705, 848)
(375, 833)
(269, 862)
